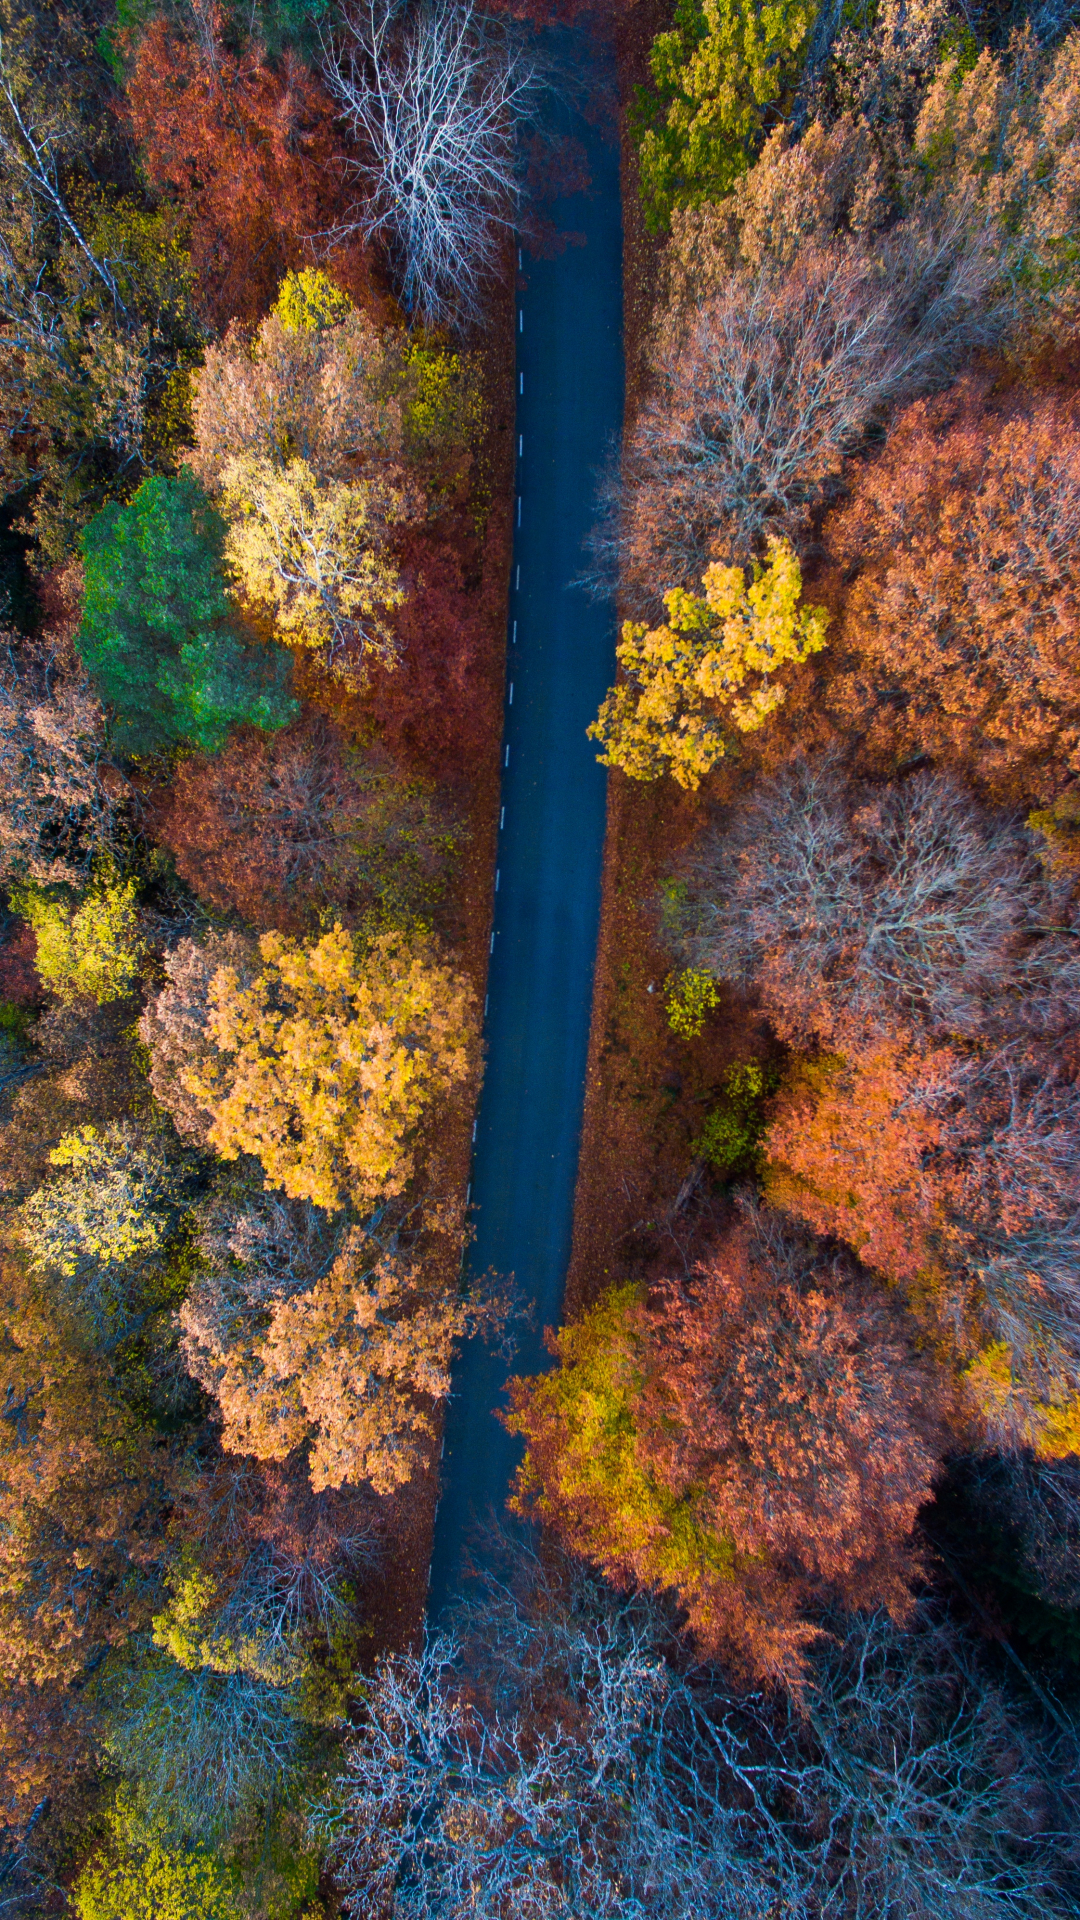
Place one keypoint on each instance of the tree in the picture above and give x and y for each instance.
(205, 1748)
(686, 679)
(312, 556)
(158, 635)
(719, 71)
(318, 382)
(82, 1496)
(433, 98)
(553, 1765)
(326, 1064)
(960, 622)
(175, 1025)
(849, 1150)
(760, 1436)
(249, 148)
(94, 289)
(119, 1203)
(59, 796)
(264, 1580)
(755, 404)
(277, 828)
(93, 947)
(156, 1882)
(553, 1759)
(856, 912)
(308, 1335)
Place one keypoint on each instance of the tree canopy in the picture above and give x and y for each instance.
(159, 635)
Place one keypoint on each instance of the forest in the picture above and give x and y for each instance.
(783, 1618)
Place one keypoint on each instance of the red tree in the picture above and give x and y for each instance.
(250, 148)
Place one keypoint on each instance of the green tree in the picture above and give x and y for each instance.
(93, 948)
(718, 71)
(708, 669)
(159, 634)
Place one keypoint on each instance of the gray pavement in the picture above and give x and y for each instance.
(561, 659)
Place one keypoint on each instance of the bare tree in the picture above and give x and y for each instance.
(553, 1761)
(850, 909)
(433, 93)
(780, 374)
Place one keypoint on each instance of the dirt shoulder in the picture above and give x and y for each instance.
(395, 1603)
(647, 1093)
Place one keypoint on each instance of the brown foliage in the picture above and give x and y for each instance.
(175, 1026)
(278, 826)
(759, 1440)
(250, 148)
(783, 1395)
(847, 1149)
(435, 708)
(329, 1338)
(963, 536)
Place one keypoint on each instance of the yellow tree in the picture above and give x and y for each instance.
(311, 553)
(707, 670)
(326, 1063)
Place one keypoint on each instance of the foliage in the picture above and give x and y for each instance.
(308, 301)
(763, 1433)
(119, 1201)
(685, 681)
(94, 947)
(731, 1135)
(205, 1748)
(326, 1063)
(720, 72)
(158, 1882)
(310, 1335)
(81, 1497)
(246, 144)
(312, 555)
(158, 635)
(958, 624)
(174, 1026)
(94, 289)
(58, 803)
(848, 1149)
(689, 998)
(329, 395)
(279, 828)
(1059, 826)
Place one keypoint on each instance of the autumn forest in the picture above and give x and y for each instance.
(781, 1616)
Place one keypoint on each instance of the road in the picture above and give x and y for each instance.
(560, 661)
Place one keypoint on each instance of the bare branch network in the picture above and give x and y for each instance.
(433, 93)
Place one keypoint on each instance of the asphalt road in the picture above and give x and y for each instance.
(561, 659)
